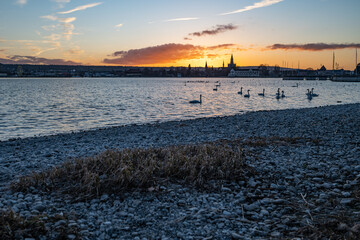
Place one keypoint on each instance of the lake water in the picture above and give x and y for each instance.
(32, 107)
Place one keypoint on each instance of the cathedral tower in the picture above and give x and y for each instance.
(232, 65)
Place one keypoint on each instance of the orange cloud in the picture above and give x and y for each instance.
(312, 46)
(222, 46)
(164, 54)
(212, 55)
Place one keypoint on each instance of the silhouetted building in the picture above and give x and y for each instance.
(232, 65)
(244, 73)
(322, 69)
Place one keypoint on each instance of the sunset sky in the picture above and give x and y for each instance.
(178, 33)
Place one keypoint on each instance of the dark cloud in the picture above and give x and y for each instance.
(35, 60)
(186, 38)
(162, 54)
(222, 46)
(215, 30)
(119, 53)
(313, 46)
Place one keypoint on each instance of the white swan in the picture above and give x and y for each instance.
(263, 93)
(240, 92)
(248, 94)
(313, 94)
(278, 94)
(196, 101)
(308, 92)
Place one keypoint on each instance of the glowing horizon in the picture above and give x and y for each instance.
(272, 32)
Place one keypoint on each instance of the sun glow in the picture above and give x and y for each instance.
(111, 33)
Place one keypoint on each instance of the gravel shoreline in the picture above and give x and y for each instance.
(295, 184)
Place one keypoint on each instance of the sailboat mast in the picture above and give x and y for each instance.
(333, 61)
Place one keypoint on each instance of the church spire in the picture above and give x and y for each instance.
(232, 65)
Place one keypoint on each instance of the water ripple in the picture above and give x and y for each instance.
(30, 107)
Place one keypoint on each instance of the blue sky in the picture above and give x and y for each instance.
(89, 32)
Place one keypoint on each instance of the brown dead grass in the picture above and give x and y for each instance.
(344, 225)
(117, 171)
(333, 227)
(13, 226)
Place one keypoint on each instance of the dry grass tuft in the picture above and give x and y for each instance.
(13, 226)
(334, 227)
(343, 224)
(116, 171)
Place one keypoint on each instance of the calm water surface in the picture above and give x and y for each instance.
(31, 107)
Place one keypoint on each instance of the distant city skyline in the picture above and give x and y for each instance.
(288, 33)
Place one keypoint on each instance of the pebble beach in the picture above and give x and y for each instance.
(297, 185)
